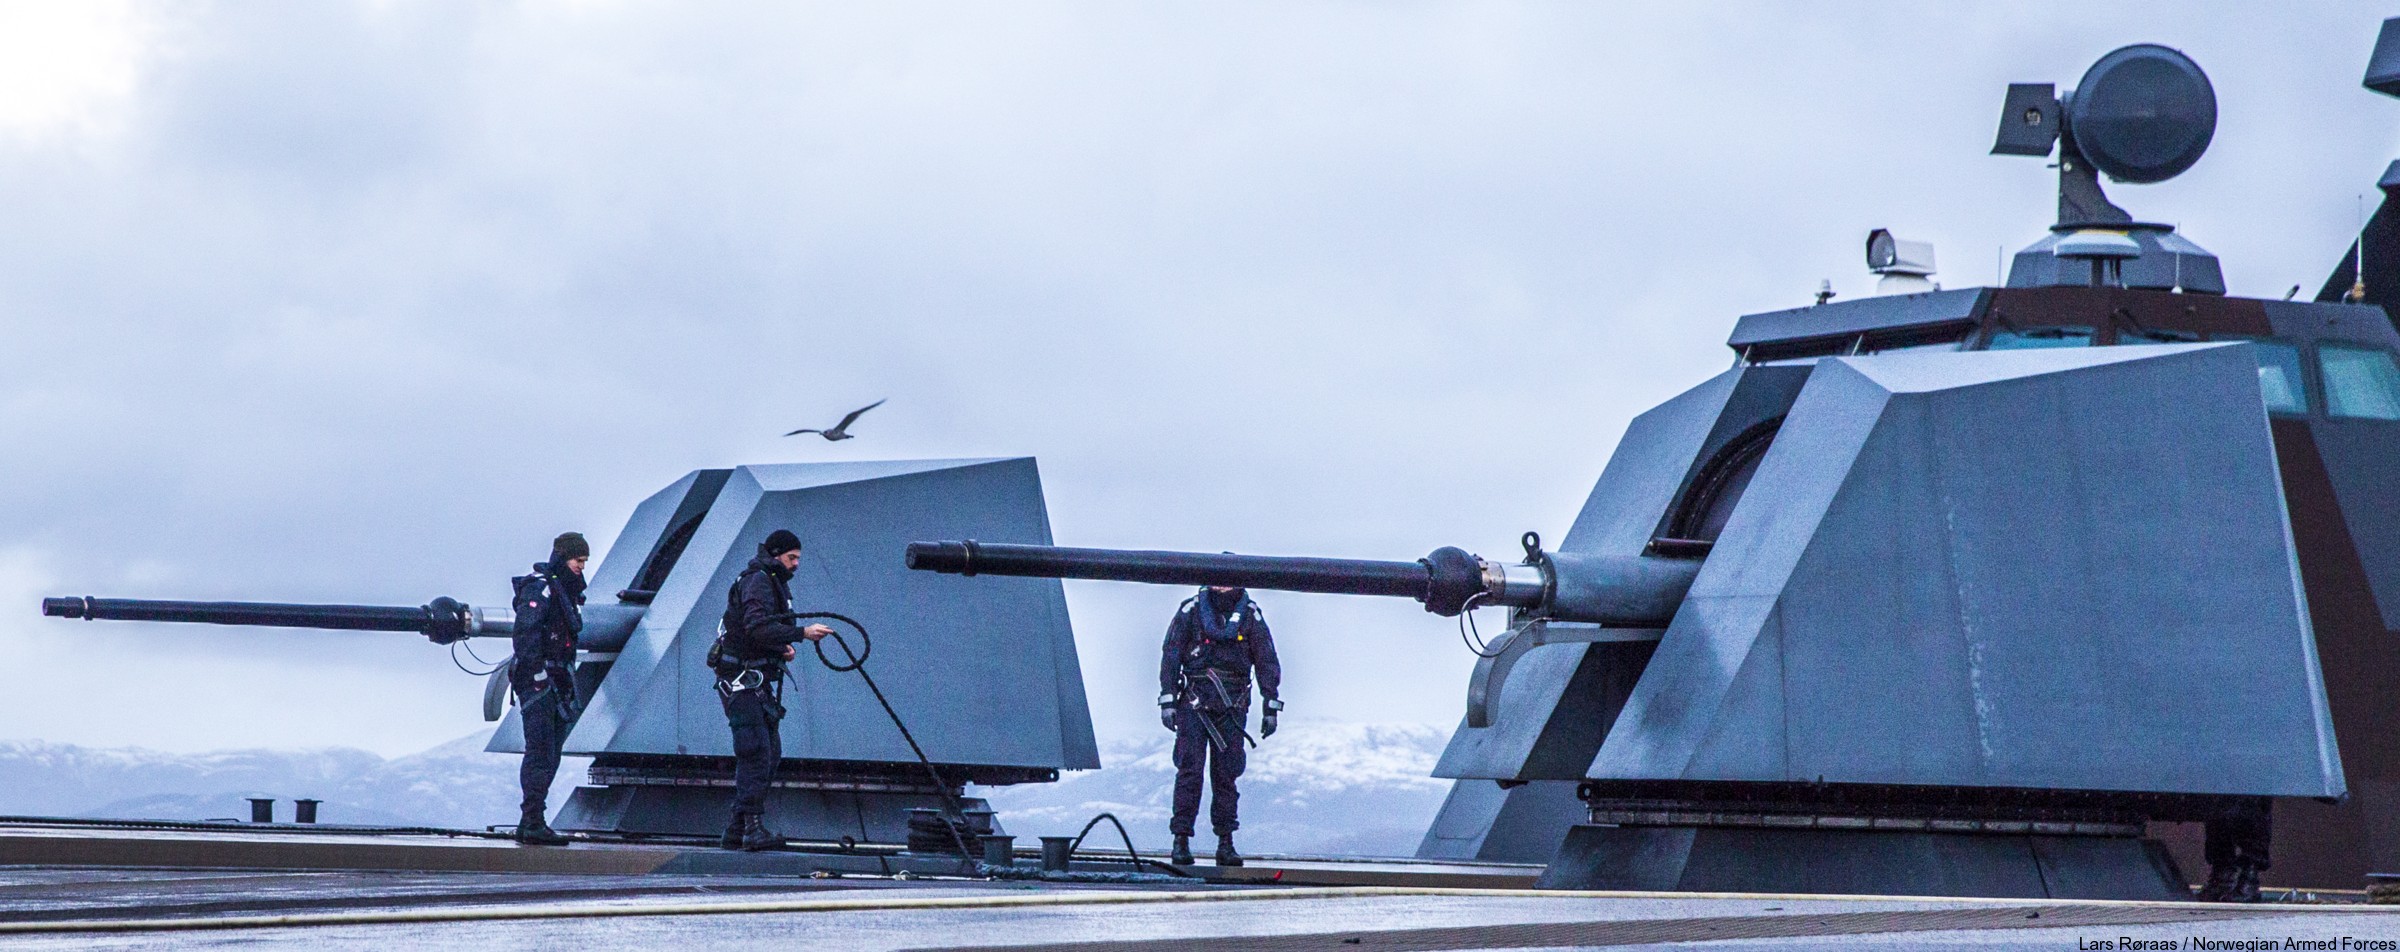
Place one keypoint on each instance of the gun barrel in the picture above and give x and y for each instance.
(1289, 574)
(443, 619)
(1608, 590)
(1448, 581)
(268, 614)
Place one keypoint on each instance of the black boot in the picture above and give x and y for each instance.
(756, 836)
(1182, 856)
(1226, 854)
(2245, 887)
(531, 831)
(2219, 885)
(732, 839)
(2230, 882)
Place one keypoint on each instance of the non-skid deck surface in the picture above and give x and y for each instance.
(472, 912)
(293, 849)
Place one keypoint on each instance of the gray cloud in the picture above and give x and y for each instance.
(366, 301)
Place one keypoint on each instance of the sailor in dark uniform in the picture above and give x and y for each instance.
(748, 664)
(2236, 849)
(1216, 643)
(549, 608)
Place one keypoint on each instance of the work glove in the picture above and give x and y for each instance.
(1166, 711)
(1266, 722)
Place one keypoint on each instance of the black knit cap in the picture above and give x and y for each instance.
(778, 542)
(570, 545)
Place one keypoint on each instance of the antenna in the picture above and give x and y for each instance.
(2358, 254)
(2383, 76)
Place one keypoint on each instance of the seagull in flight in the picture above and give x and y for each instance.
(840, 431)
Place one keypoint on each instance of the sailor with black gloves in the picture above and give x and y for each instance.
(1216, 644)
(549, 609)
(748, 662)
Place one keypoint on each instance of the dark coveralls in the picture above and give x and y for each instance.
(1212, 646)
(750, 681)
(2238, 836)
(543, 672)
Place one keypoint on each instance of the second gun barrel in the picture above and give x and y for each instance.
(1608, 590)
(1281, 573)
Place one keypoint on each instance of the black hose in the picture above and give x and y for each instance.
(858, 663)
(866, 649)
(1137, 860)
(485, 673)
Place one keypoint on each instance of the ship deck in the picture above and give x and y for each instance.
(67, 885)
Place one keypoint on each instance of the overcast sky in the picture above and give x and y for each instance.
(326, 301)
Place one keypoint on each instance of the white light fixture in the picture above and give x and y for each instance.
(1906, 266)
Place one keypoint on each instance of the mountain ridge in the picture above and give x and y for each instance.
(1306, 789)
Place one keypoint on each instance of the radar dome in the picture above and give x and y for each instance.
(2143, 113)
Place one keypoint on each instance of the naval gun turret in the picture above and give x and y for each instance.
(1986, 591)
(661, 754)
(1908, 623)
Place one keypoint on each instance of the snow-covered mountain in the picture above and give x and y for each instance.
(453, 785)
(1315, 787)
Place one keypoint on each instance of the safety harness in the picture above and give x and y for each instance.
(736, 675)
(1232, 689)
(557, 640)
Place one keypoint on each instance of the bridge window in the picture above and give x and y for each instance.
(1875, 347)
(2360, 382)
(2026, 338)
(2279, 375)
